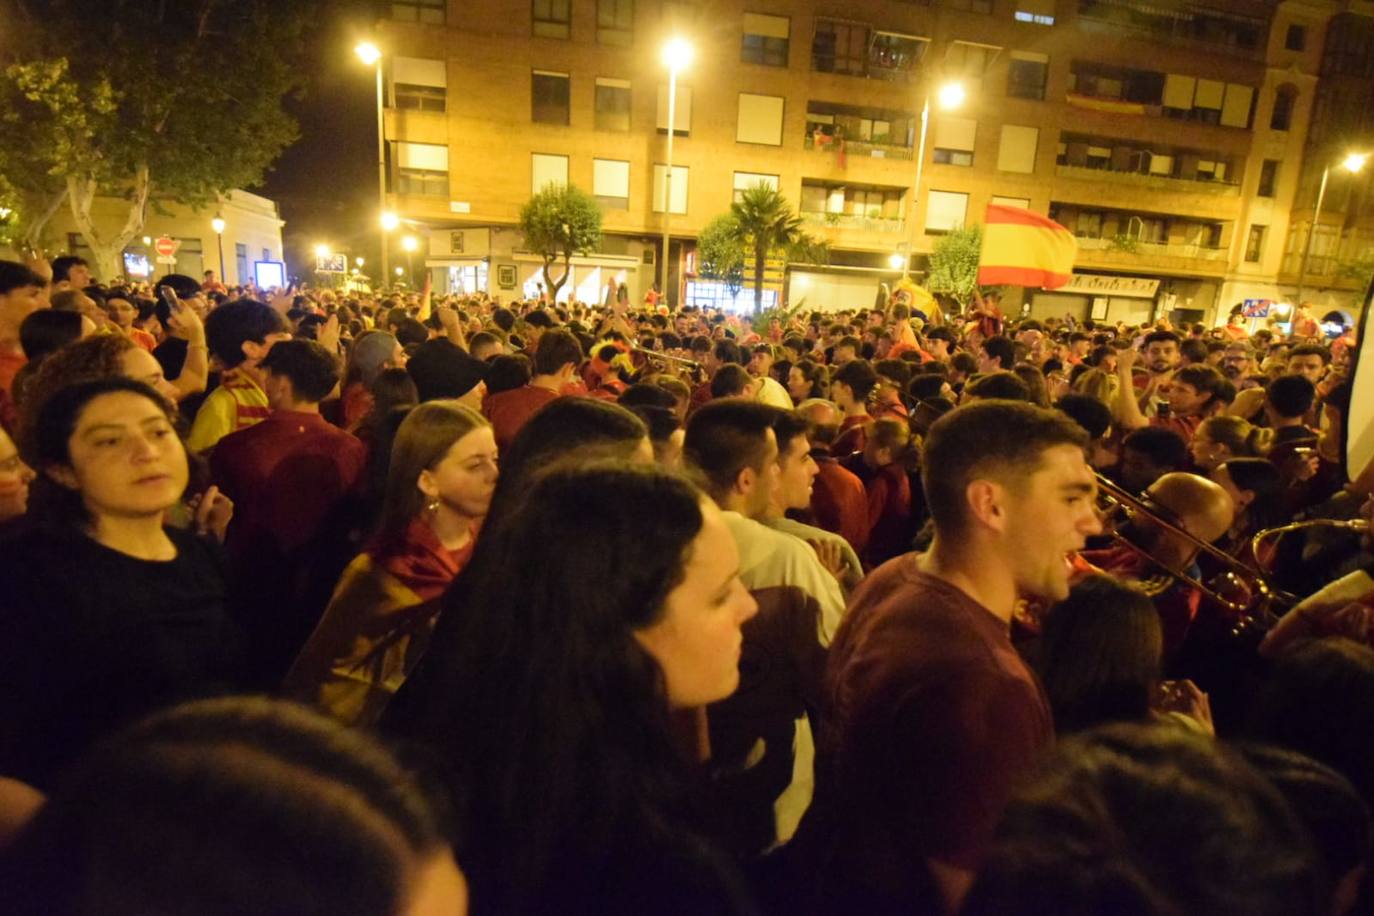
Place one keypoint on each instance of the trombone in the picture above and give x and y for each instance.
(1257, 542)
(1251, 589)
(667, 357)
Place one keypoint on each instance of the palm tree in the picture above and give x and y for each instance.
(766, 223)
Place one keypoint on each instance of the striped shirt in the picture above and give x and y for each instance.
(238, 403)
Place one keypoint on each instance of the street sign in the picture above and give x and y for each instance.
(166, 247)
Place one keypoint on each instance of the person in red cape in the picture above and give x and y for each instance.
(439, 486)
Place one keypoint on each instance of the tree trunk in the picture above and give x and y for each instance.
(549, 283)
(33, 229)
(108, 250)
(760, 252)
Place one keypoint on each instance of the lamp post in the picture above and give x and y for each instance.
(371, 55)
(410, 243)
(1352, 164)
(218, 225)
(677, 53)
(949, 96)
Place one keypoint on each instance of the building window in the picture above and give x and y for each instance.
(611, 183)
(1088, 225)
(970, 6)
(969, 61)
(1269, 176)
(547, 169)
(421, 169)
(839, 47)
(766, 40)
(1027, 75)
(267, 254)
(419, 85)
(429, 11)
(552, 18)
(612, 104)
(746, 180)
(1254, 243)
(1022, 202)
(1284, 100)
(679, 191)
(760, 119)
(240, 262)
(945, 211)
(682, 111)
(1016, 151)
(953, 140)
(1296, 38)
(550, 94)
(1039, 12)
(615, 22)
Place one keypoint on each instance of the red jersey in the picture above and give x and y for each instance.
(510, 410)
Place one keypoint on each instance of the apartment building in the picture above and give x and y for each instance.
(1168, 139)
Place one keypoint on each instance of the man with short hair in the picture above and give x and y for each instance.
(1148, 454)
(484, 345)
(931, 716)
(21, 294)
(70, 272)
(998, 354)
(555, 366)
(1238, 360)
(240, 334)
(1309, 361)
(1192, 393)
(846, 350)
(289, 477)
(839, 501)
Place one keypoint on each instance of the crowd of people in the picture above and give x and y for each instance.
(428, 604)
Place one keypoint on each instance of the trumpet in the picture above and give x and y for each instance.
(666, 357)
(1241, 590)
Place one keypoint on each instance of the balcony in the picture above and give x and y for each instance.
(863, 149)
(854, 222)
(1220, 187)
(1094, 252)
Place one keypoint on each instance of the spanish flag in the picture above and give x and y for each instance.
(1021, 248)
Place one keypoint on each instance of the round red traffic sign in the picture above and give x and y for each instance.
(165, 246)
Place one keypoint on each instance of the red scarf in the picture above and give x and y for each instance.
(420, 561)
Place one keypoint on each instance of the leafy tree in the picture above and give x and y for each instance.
(137, 100)
(720, 248)
(559, 222)
(954, 263)
(759, 224)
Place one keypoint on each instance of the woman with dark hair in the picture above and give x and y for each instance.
(589, 425)
(1099, 655)
(439, 487)
(233, 806)
(108, 612)
(1256, 487)
(550, 686)
(806, 380)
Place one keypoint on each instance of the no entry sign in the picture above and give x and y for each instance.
(165, 246)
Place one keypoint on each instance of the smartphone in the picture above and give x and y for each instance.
(170, 298)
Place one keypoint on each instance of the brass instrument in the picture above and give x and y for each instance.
(1243, 591)
(668, 358)
(1256, 542)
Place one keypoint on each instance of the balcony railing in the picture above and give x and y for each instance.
(1107, 248)
(854, 221)
(1155, 182)
(866, 149)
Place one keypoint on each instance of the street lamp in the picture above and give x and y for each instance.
(896, 260)
(410, 243)
(321, 251)
(1352, 163)
(677, 54)
(218, 225)
(359, 261)
(371, 55)
(949, 96)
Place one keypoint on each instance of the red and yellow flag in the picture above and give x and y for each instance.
(1021, 248)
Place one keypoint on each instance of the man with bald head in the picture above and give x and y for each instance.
(1200, 507)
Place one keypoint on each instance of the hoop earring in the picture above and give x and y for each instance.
(433, 505)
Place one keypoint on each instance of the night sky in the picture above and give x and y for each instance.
(326, 183)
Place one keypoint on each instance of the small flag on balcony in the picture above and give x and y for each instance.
(841, 157)
(1021, 248)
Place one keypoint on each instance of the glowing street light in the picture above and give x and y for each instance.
(217, 224)
(949, 96)
(677, 54)
(321, 250)
(368, 53)
(895, 261)
(359, 261)
(1352, 163)
(390, 221)
(410, 243)
(400, 271)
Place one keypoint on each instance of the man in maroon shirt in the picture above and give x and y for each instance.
(291, 477)
(555, 365)
(930, 714)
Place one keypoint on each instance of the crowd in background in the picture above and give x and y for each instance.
(401, 602)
